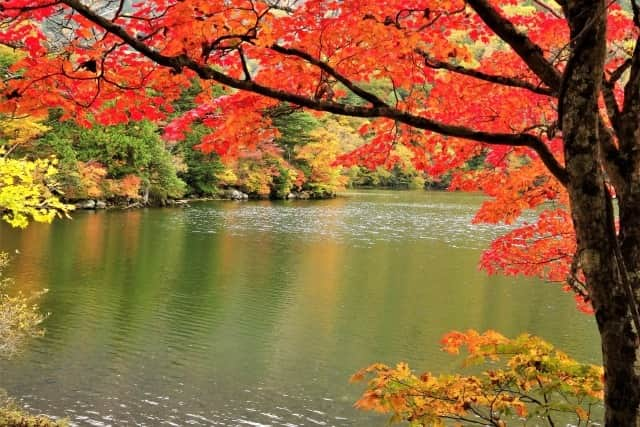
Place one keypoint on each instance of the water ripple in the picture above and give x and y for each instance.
(256, 314)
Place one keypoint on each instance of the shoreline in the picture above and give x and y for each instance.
(91, 204)
(225, 195)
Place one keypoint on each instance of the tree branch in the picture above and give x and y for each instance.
(631, 106)
(548, 8)
(613, 110)
(381, 110)
(632, 88)
(618, 72)
(609, 151)
(636, 13)
(608, 92)
(530, 52)
(366, 95)
(501, 80)
(245, 66)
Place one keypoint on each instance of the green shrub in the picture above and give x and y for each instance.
(124, 150)
(201, 172)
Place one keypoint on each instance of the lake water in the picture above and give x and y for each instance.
(257, 313)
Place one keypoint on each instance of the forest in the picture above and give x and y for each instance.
(526, 111)
(142, 163)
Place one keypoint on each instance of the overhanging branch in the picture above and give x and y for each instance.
(366, 95)
(377, 110)
(491, 78)
(529, 52)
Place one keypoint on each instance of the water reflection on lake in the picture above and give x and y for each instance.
(257, 313)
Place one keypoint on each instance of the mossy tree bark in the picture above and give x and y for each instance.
(609, 261)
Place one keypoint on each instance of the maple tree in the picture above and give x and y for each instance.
(548, 91)
(527, 379)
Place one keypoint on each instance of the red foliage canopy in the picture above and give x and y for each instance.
(462, 78)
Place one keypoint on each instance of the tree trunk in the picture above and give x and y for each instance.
(592, 213)
(620, 355)
(620, 349)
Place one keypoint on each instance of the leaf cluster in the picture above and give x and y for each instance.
(526, 378)
(27, 191)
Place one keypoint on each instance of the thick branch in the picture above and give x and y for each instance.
(608, 150)
(368, 96)
(245, 66)
(530, 52)
(501, 80)
(608, 92)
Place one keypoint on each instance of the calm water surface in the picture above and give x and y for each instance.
(257, 313)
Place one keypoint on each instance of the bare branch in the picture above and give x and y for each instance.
(501, 80)
(548, 8)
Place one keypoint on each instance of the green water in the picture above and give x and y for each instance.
(231, 313)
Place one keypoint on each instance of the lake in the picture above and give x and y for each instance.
(256, 313)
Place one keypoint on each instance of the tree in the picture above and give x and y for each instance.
(319, 156)
(294, 127)
(26, 192)
(117, 161)
(201, 174)
(528, 379)
(548, 91)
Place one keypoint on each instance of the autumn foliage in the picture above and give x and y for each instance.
(448, 80)
(435, 64)
(26, 192)
(526, 378)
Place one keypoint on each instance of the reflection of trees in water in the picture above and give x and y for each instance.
(202, 304)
